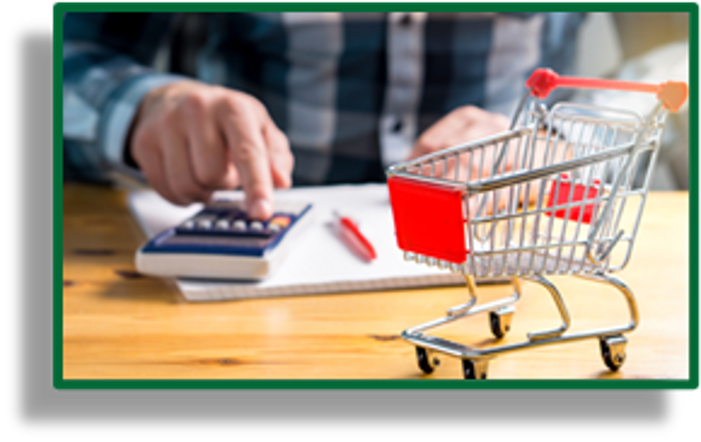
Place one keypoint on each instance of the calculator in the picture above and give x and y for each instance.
(222, 242)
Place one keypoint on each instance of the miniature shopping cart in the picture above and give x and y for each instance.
(560, 193)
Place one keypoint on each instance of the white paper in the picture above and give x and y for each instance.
(318, 262)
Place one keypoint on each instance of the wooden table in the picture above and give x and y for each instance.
(118, 324)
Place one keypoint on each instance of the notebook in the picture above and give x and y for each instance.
(319, 263)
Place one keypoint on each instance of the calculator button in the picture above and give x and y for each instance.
(189, 224)
(222, 224)
(274, 228)
(239, 225)
(204, 224)
(280, 221)
(256, 226)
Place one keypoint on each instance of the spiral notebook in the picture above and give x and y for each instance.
(318, 263)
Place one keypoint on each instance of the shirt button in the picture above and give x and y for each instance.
(405, 20)
(397, 126)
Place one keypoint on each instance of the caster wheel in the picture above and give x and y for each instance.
(474, 369)
(427, 363)
(500, 321)
(613, 351)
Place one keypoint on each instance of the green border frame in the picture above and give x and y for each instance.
(60, 383)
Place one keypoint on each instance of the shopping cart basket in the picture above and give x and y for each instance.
(560, 193)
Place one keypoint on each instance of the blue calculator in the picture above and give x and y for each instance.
(222, 242)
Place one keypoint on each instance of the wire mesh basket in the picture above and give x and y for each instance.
(559, 193)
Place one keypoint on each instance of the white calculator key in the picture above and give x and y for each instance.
(240, 225)
(256, 226)
(222, 224)
(204, 224)
(274, 228)
(189, 224)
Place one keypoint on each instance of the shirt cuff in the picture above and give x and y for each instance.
(120, 113)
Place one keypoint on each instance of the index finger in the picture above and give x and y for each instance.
(246, 146)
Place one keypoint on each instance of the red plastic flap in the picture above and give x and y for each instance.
(428, 219)
(563, 197)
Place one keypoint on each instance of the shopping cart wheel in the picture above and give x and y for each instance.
(474, 369)
(500, 321)
(427, 362)
(613, 351)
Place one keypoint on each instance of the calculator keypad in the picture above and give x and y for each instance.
(232, 221)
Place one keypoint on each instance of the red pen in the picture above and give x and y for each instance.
(352, 237)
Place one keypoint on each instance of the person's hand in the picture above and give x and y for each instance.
(467, 124)
(464, 124)
(190, 139)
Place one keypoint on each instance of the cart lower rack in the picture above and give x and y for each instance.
(560, 193)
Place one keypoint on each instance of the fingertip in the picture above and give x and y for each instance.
(260, 209)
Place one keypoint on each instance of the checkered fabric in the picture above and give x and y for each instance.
(352, 91)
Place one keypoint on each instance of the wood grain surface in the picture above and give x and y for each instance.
(119, 324)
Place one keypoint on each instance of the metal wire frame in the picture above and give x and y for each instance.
(513, 183)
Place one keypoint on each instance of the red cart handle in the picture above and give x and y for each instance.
(671, 93)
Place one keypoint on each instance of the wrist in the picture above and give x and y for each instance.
(120, 113)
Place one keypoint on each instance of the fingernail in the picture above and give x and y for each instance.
(260, 209)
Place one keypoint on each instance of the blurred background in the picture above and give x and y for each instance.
(651, 47)
(634, 46)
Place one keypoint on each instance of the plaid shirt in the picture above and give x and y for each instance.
(352, 91)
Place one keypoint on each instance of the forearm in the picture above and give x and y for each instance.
(102, 89)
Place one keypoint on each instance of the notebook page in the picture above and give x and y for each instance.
(318, 262)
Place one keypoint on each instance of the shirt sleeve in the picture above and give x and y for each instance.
(106, 74)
